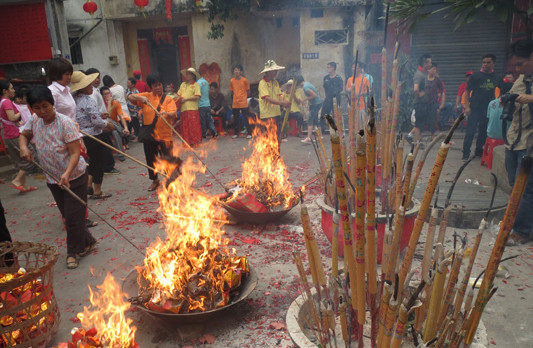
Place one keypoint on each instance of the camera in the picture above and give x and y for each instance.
(508, 101)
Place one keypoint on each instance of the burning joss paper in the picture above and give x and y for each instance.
(192, 270)
(264, 184)
(17, 297)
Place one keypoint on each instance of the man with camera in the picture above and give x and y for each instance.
(518, 108)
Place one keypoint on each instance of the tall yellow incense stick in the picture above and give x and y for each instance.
(315, 263)
(426, 201)
(345, 215)
(335, 246)
(434, 303)
(462, 290)
(307, 289)
(360, 179)
(371, 251)
(449, 292)
(428, 248)
(421, 162)
(383, 310)
(499, 246)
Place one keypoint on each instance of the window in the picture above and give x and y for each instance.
(295, 22)
(317, 13)
(279, 22)
(324, 37)
(75, 51)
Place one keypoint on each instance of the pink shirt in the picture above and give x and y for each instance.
(63, 100)
(51, 144)
(11, 129)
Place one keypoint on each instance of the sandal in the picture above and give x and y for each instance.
(90, 191)
(154, 186)
(101, 196)
(88, 249)
(90, 223)
(73, 263)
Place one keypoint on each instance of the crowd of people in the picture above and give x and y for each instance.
(74, 123)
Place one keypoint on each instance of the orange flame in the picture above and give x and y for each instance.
(186, 272)
(264, 173)
(107, 315)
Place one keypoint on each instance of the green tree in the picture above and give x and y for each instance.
(219, 11)
(407, 13)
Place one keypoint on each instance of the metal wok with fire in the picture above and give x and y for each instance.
(263, 193)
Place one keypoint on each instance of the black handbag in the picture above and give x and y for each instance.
(146, 132)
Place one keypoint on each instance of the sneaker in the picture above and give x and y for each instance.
(122, 158)
(409, 139)
(248, 136)
(113, 171)
(284, 140)
(516, 239)
(234, 136)
(465, 157)
(307, 140)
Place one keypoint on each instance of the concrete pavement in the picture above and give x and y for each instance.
(255, 322)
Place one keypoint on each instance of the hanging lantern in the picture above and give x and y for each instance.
(142, 3)
(90, 7)
(169, 9)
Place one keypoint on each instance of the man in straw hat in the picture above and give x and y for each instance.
(270, 95)
(190, 127)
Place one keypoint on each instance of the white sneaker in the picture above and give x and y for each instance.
(284, 140)
(307, 140)
(234, 136)
(248, 136)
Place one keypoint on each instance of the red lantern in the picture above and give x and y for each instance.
(169, 9)
(141, 3)
(90, 7)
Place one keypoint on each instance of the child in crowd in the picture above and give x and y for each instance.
(121, 132)
(240, 89)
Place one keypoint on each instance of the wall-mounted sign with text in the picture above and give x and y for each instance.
(310, 55)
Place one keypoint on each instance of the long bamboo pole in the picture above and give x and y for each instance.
(499, 246)
(426, 201)
(335, 246)
(288, 109)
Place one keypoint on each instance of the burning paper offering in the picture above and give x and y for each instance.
(192, 270)
(264, 185)
(106, 319)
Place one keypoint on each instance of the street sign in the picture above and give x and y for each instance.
(310, 55)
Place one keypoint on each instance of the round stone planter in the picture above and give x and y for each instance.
(300, 310)
(410, 217)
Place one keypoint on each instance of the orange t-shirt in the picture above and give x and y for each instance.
(162, 130)
(362, 89)
(116, 112)
(240, 90)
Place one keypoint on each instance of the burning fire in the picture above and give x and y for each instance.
(192, 270)
(264, 173)
(107, 316)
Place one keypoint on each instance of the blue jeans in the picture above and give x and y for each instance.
(523, 224)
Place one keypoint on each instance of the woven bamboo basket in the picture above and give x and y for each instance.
(29, 316)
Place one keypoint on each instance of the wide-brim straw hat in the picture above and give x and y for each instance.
(191, 70)
(271, 65)
(79, 80)
(288, 83)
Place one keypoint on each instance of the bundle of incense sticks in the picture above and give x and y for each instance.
(438, 314)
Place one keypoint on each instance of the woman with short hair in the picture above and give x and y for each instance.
(57, 139)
